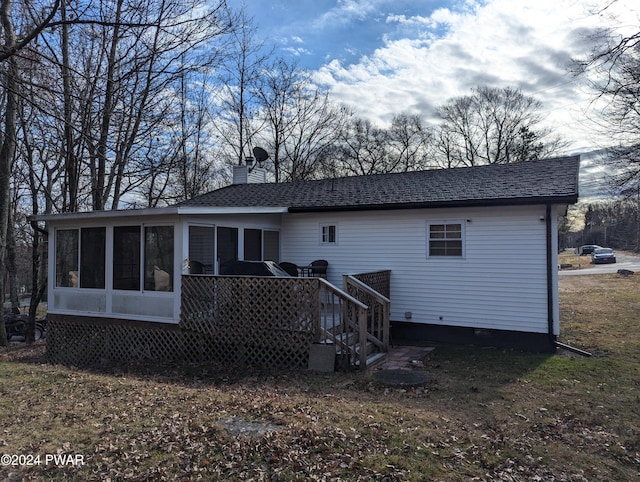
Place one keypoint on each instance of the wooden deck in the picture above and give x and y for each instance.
(281, 317)
(237, 321)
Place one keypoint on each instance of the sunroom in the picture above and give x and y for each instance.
(130, 263)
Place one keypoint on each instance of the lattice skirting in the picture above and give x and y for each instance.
(84, 342)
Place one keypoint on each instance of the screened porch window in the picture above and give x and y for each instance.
(272, 246)
(445, 239)
(227, 246)
(156, 255)
(126, 258)
(92, 257)
(67, 257)
(253, 244)
(201, 249)
(80, 257)
(158, 258)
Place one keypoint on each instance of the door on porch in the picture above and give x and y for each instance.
(227, 246)
(201, 249)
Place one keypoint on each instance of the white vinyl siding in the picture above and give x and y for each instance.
(500, 284)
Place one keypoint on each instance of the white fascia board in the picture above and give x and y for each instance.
(107, 214)
(149, 212)
(232, 210)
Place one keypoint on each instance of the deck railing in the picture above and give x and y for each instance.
(379, 305)
(343, 322)
(263, 321)
(259, 321)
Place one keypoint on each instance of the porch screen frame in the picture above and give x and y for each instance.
(253, 244)
(80, 257)
(198, 263)
(144, 279)
(221, 245)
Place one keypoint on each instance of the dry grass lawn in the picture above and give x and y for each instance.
(486, 414)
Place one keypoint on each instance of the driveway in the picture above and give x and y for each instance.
(625, 261)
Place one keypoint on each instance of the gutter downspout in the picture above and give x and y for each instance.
(550, 268)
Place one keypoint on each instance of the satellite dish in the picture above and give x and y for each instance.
(260, 154)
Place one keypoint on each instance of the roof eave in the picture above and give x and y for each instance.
(571, 199)
(107, 214)
(195, 210)
(163, 211)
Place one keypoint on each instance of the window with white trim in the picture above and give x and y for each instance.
(328, 234)
(143, 258)
(80, 257)
(445, 239)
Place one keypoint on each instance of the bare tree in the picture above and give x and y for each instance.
(409, 144)
(9, 85)
(238, 98)
(317, 124)
(276, 90)
(98, 104)
(186, 163)
(492, 126)
(613, 72)
(300, 122)
(445, 148)
(117, 91)
(363, 149)
(41, 17)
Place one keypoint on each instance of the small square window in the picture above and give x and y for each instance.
(328, 234)
(446, 240)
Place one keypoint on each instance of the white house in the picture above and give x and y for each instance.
(472, 252)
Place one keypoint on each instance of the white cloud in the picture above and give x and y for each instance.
(498, 43)
(295, 51)
(348, 10)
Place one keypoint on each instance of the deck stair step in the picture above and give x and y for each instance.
(346, 342)
(346, 338)
(374, 359)
(370, 348)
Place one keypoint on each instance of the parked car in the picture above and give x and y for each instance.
(603, 255)
(253, 268)
(587, 249)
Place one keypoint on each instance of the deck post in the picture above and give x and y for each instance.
(362, 332)
(386, 309)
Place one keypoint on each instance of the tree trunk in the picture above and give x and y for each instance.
(38, 283)
(99, 183)
(8, 148)
(70, 161)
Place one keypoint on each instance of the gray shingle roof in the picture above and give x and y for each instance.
(532, 182)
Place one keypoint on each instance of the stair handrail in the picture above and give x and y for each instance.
(378, 297)
(360, 322)
(343, 294)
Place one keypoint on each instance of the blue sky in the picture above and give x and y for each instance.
(317, 32)
(384, 57)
